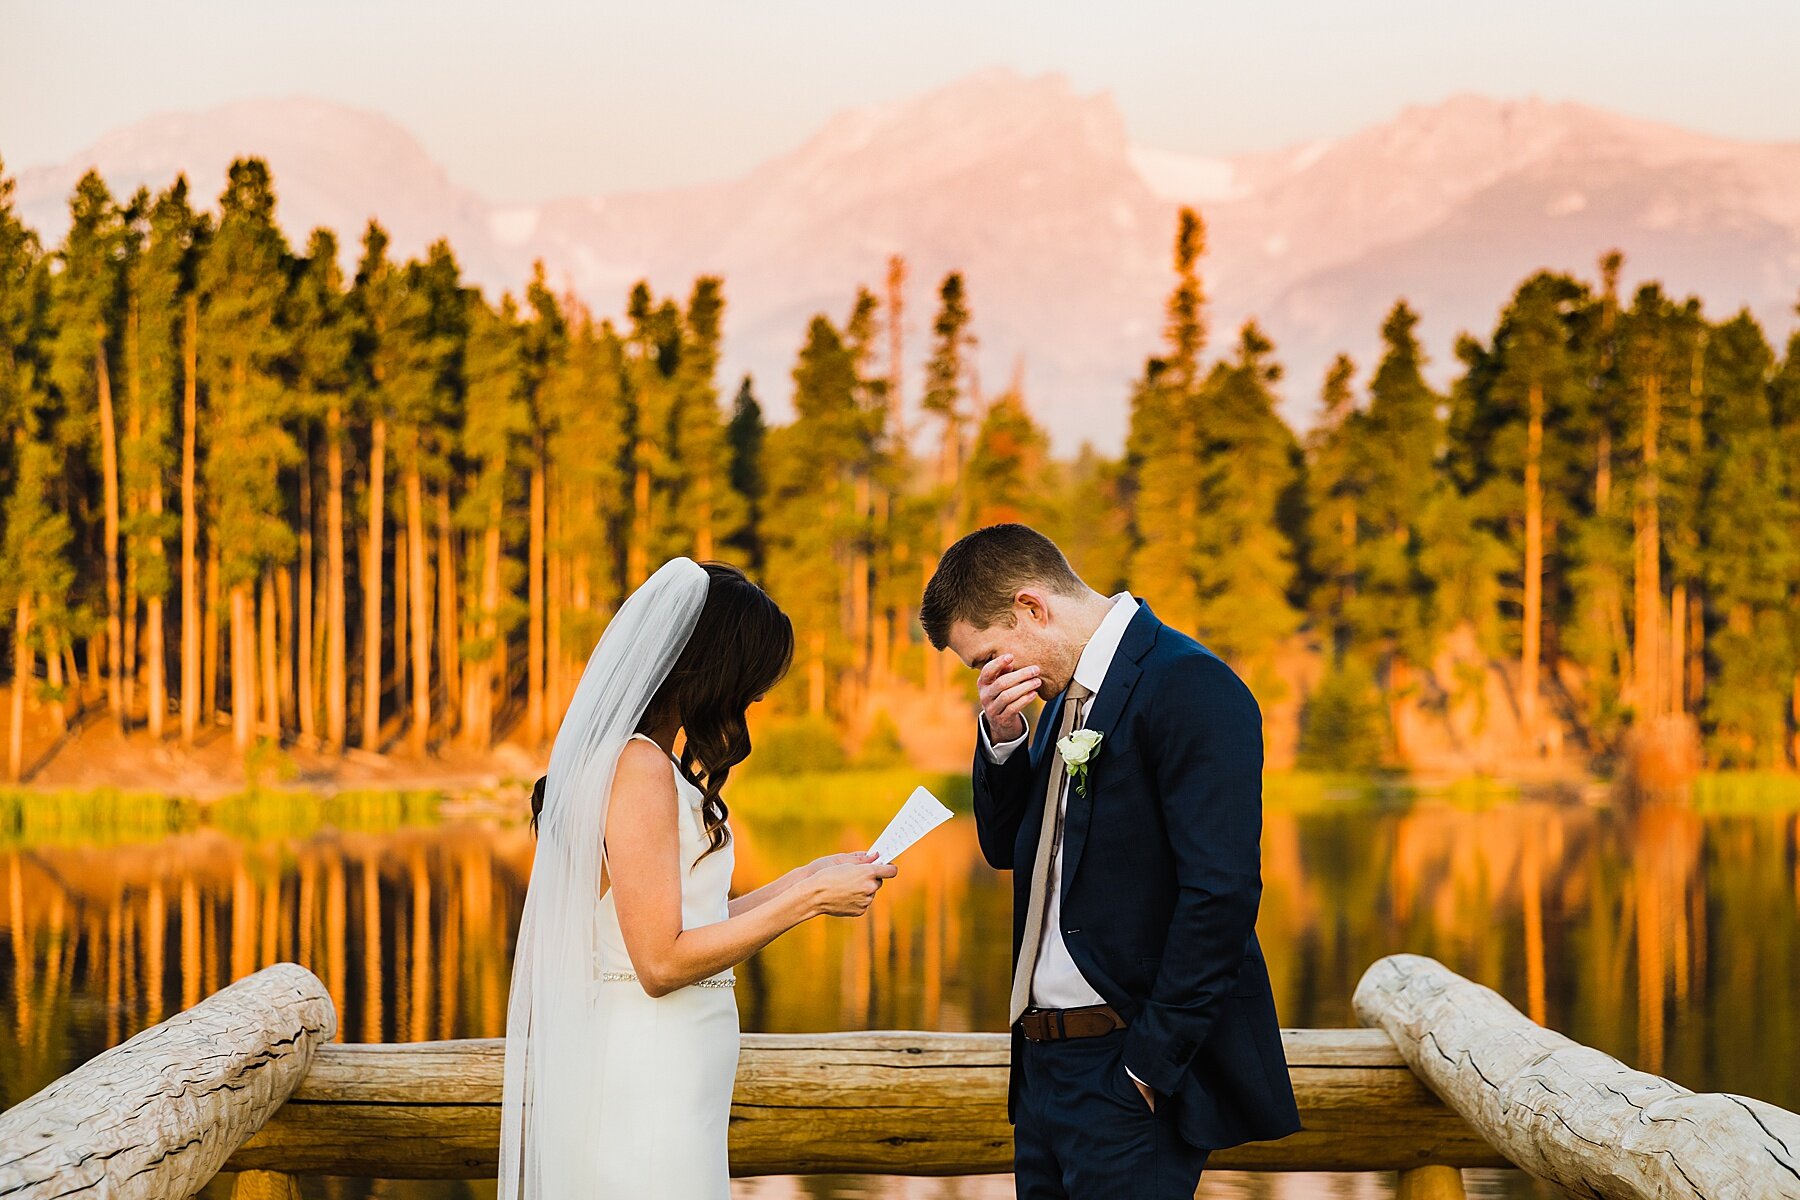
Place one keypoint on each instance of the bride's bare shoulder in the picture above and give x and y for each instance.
(644, 772)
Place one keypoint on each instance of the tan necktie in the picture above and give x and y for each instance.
(1046, 850)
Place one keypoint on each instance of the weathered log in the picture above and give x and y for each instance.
(880, 1103)
(159, 1114)
(1568, 1113)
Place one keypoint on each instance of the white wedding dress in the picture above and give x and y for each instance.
(670, 1061)
(607, 1093)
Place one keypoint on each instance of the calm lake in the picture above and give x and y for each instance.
(1667, 936)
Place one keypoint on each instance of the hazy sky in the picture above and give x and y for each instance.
(530, 100)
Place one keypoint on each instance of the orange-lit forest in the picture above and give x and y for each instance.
(378, 511)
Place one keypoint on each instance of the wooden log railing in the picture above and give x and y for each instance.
(159, 1114)
(875, 1103)
(1568, 1113)
(1450, 1076)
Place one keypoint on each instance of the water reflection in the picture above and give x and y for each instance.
(1655, 936)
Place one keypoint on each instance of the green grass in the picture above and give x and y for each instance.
(866, 796)
(109, 816)
(861, 795)
(1746, 792)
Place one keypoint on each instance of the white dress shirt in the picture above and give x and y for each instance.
(1056, 982)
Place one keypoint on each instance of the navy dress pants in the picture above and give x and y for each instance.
(1083, 1132)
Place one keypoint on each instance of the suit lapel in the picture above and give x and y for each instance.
(1109, 704)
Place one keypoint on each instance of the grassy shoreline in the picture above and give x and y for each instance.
(30, 817)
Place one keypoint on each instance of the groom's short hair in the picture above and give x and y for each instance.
(977, 578)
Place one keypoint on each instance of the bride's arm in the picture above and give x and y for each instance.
(768, 891)
(644, 862)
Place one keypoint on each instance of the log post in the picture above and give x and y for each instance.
(1568, 1113)
(1425, 1183)
(265, 1185)
(159, 1114)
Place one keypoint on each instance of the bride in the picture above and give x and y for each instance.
(622, 1029)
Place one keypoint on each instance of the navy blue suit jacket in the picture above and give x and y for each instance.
(1161, 878)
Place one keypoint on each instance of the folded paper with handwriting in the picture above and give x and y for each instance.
(922, 813)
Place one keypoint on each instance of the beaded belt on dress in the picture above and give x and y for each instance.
(717, 981)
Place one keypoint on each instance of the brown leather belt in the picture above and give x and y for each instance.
(1058, 1024)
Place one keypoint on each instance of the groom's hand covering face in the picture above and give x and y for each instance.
(1005, 691)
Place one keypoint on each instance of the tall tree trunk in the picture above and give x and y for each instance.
(1696, 672)
(1647, 652)
(211, 656)
(421, 609)
(22, 675)
(305, 699)
(485, 674)
(371, 699)
(402, 569)
(57, 653)
(1534, 567)
(134, 503)
(448, 650)
(336, 605)
(859, 583)
(815, 673)
(555, 580)
(267, 655)
(638, 566)
(880, 628)
(287, 655)
(109, 470)
(156, 683)
(495, 695)
(703, 516)
(191, 687)
(1678, 621)
(243, 668)
(534, 629)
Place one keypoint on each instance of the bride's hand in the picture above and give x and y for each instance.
(853, 858)
(847, 889)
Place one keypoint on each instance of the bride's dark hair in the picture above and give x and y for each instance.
(741, 647)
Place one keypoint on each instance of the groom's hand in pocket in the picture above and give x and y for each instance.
(1005, 692)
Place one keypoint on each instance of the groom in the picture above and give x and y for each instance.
(1144, 1031)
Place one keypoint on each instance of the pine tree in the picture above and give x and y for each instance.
(589, 499)
(544, 350)
(1243, 564)
(1162, 447)
(1599, 552)
(35, 571)
(745, 436)
(161, 291)
(1516, 449)
(948, 394)
(1008, 467)
(808, 466)
(1397, 615)
(1336, 478)
(1750, 534)
(323, 365)
(1784, 403)
(243, 343)
(88, 295)
(495, 433)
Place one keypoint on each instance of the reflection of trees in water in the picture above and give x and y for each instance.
(1666, 937)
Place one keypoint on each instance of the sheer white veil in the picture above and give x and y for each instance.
(550, 1106)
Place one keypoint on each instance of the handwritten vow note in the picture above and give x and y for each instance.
(921, 814)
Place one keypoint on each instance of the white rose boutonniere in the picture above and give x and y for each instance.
(1078, 750)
